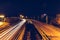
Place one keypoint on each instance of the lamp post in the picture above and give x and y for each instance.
(45, 15)
(2, 17)
(21, 16)
(46, 19)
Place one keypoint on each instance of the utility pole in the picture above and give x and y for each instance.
(45, 15)
(46, 19)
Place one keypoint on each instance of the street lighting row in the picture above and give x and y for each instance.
(22, 16)
(37, 18)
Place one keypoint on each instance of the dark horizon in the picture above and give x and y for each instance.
(30, 8)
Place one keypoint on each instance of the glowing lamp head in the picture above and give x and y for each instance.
(2, 16)
(21, 16)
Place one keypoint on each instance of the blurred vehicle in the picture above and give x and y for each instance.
(29, 21)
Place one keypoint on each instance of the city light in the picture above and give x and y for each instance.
(21, 16)
(2, 16)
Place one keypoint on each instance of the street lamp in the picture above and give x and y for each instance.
(45, 15)
(21, 16)
(2, 16)
(1, 19)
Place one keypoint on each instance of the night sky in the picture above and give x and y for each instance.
(29, 7)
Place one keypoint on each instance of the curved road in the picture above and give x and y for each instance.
(35, 31)
(8, 34)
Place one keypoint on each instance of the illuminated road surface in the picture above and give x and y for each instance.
(3, 24)
(8, 34)
(48, 32)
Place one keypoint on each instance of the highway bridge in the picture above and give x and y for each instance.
(29, 29)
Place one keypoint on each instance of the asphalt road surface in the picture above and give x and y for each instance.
(31, 33)
(47, 31)
(8, 34)
(33, 30)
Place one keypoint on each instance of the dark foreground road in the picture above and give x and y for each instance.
(31, 33)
